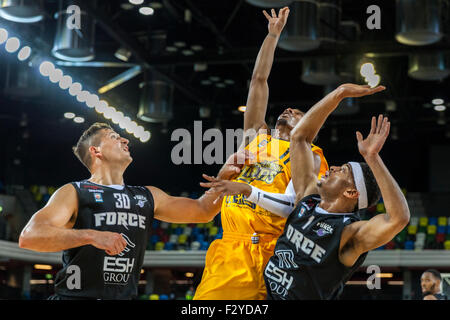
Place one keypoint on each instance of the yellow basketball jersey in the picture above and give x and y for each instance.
(271, 173)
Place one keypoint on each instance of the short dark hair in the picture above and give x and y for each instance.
(435, 273)
(87, 139)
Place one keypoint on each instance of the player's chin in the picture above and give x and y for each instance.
(282, 122)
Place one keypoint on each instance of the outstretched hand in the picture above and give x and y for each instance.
(350, 90)
(277, 23)
(224, 187)
(234, 164)
(379, 131)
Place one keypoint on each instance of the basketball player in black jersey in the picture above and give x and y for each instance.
(102, 225)
(430, 282)
(324, 241)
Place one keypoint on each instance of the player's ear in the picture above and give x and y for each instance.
(351, 193)
(94, 151)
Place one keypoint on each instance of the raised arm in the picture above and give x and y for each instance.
(254, 117)
(302, 161)
(50, 229)
(280, 204)
(362, 236)
(204, 209)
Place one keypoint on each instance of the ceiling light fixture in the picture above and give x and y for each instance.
(146, 11)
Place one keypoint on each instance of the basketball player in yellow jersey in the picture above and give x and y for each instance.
(234, 264)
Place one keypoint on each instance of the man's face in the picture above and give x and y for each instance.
(336, 181)
(114, 148)
(429, 284)
(289, 117)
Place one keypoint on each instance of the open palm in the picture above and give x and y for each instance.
(379, 131)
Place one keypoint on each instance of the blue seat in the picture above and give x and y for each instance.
(169, 246)
(205, 245)
(154, 238)
(409, 245)
(164, 297)
(441, 229)
(432, 221)
(155, 224)
(200, 238)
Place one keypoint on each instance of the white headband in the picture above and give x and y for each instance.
(360, 184)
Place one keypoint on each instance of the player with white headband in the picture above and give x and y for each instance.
(324, 241)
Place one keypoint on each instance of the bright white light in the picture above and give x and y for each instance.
(65, 82)
(69, 115)
(127, 124)
(78, 119)
(83, 96)
(145, 137)
(12, 45)
(136, 2)
(437, 101)
(367, 70)
(92, 100)
(122, 124)
(242, 108)
(197, 47)
(139, 132)
(133, 126)
(146, 11)
(46, 68)
(101, 106)
(117, 117)
(56, 75)
(3, 35)
(75, 89)
(440, 108)
(109, 112)
(373, 80)
(24, 53)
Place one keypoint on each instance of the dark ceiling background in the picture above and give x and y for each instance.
(36, 139)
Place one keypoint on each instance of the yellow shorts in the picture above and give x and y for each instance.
(234, 268)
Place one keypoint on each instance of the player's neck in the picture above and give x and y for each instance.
(282, 132)
(106, 176)
(335, 206)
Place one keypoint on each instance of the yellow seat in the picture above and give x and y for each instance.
(423, 221)
(159, 246)
(447, 245)
(431, 229)
(213, 231)
(442, 221)
(182, 239)
(412, 229)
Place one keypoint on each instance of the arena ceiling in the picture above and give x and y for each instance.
(214, 77)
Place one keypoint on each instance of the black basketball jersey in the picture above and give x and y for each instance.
(89, 272)
(440, 296)
(305, 264)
